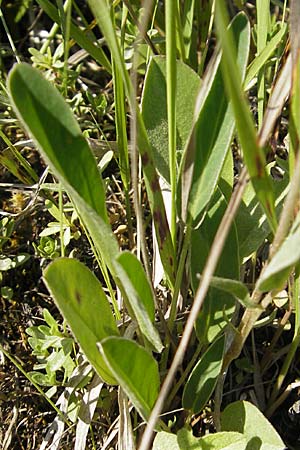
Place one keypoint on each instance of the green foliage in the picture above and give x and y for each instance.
(177, 338)
(134, 369)
(204, 376)
(154, 109)
(243, 427)
(80, 297)
(53, 350)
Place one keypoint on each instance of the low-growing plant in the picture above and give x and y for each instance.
(211, 220)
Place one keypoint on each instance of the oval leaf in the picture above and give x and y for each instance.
(135, 369)
(245, 418)
(81, 300)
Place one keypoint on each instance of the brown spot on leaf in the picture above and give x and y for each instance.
(78, 297)
(161, 223)
(259, 166)
(269, 207)
(171, 261)
(154, 185)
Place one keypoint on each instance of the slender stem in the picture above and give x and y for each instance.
(179, 275)
(61, 219)
(11, 42)
(170, 18)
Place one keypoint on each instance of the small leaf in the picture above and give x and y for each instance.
(135, 370)
(80, 298)
(245, 418)
(7, 263)
(234, 287)
(203, 378)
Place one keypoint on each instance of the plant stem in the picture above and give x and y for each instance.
(170, 18)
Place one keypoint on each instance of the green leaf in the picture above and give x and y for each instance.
(135, 370)
(78, 35)
(214, 127)
(203, 378)
(218, 306)
(226, 440)
(184, 440)
(278, 269)
(50, 121)
(154, 109)
(57, 134)
(245, 418)
(81, 300)
(261, 59)
(138, 278)
(251, 222)
(165, 441)
(253, 155)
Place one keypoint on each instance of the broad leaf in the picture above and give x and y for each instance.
(184, 440)
(154, 109)
(135, 370)
(80, 298)
(102, 13)
(203, 378)
(165, 441)
(245, 418)
(228, 440)
(218, 306)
